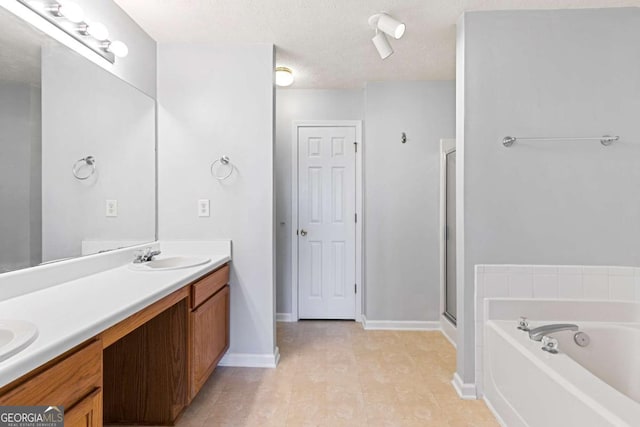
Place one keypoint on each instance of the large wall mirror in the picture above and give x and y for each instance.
(77, 153)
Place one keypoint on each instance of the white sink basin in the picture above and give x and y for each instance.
(15, 336)
(170, 263)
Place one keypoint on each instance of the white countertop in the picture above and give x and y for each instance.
(72, 312)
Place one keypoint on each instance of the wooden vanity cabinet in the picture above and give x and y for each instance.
(86, 413)
(144, 370)
(208, 326)
(73, 380)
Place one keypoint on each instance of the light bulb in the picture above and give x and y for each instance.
(284, 76)
(72, 12)
(98, 31)
(118, 48)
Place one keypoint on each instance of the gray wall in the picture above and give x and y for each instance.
(20, 176)
(292, 104)
(402, 184)
(214, 101)
(547, 73)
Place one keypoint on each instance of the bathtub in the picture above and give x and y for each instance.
(597, 385)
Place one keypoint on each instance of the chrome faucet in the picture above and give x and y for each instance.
(536, 334)
(145, 255)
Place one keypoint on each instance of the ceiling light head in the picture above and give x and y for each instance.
(387, 24)
(284, 76)
(382, 45)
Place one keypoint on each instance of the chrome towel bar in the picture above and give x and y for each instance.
(605, 140)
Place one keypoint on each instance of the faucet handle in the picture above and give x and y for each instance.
(523, 324)
(550, 344)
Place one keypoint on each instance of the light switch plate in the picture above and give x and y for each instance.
(203, 207)
(111, 208)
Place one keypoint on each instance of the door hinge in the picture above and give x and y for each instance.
(356, 217)
(355, 288)
(355, 145)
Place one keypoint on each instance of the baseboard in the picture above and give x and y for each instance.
(448, 330)
(251, 360)
(466, 391)
(494, 412)
(400, 325)
(285, 317)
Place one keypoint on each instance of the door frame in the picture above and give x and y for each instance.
(447, 145)
(297, 124)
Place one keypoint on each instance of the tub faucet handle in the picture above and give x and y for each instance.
(550, 344)
(523, 324)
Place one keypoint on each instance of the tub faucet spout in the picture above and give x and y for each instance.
(536, 334)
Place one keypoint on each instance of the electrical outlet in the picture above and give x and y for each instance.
(111, 208)
(203, 207)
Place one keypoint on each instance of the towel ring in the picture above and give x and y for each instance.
(224, 160)
(77, 166)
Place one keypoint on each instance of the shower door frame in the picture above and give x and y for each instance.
(447, 146)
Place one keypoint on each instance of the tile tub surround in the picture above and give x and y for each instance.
(548, 282)
(68, 313)
(333, 374)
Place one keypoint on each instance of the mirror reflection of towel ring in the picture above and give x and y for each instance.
(87, 161)
(224, 161)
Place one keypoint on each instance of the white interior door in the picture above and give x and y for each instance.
(326, 222)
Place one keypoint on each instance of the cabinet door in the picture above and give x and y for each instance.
(210, 337)
(86, 413)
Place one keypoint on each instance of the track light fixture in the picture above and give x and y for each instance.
(385, 25)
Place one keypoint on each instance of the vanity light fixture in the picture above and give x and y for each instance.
(69, 17)
(385, 25)
(284, 76)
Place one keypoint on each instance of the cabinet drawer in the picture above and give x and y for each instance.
(62, 383)
(204, 288)
(86, 413)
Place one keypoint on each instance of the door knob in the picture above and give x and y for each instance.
(303, 232)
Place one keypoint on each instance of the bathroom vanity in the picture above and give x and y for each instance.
(143, 369)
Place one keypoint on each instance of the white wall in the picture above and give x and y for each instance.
(547, 73)
(88, 111)
(214, 101)
(20, 201)
(291, 105)
(402, 184)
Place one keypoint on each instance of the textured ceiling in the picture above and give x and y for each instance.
(327, 42)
